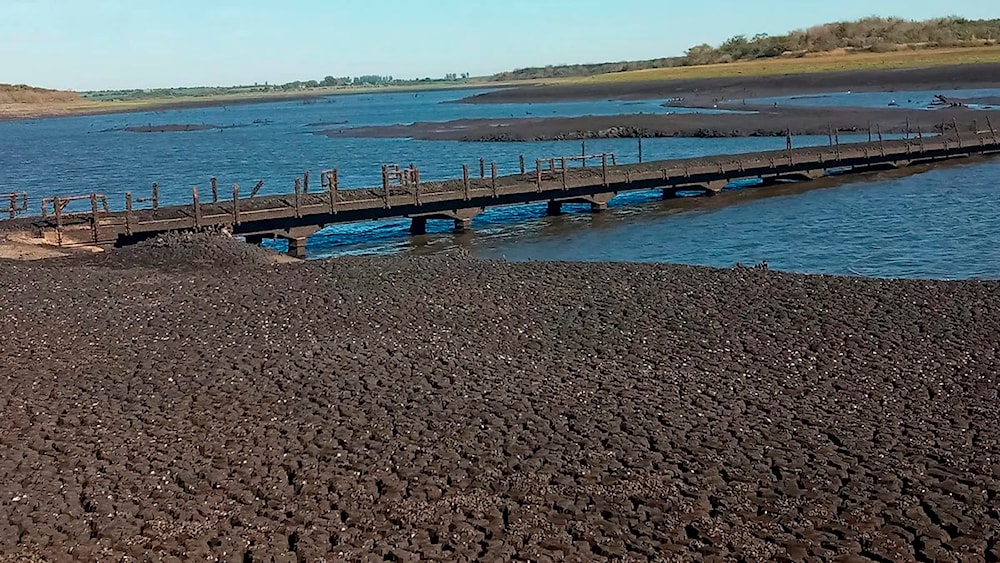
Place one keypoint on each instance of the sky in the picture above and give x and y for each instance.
(117, 44)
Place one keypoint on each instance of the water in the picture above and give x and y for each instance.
(939, 224)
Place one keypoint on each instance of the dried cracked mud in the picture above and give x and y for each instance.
(189, 399)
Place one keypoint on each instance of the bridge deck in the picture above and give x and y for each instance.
(283, 215)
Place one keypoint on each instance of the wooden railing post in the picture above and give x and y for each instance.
(482, 168)
(521, 159)
(538, 175)
(993, 132)
(493, 177)
(156, 196)
(298, 197)
(215, 190)
(305, 181)
(385, 185)
(332, 187)
(57, 210)
(881, 144)
(93, 215)
(236, 204)
(415, 180)
(958, 134)
(197, 207)
(128, 213)
(604, 169)
(640, 148)
(836, 138)
(583, 154)
(465, 180)
(920, 136)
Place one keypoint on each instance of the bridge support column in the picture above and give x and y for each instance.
(553, 208)
(297, 247)
(418, 226)
(463, 225)
(255, 240)
(598, 207)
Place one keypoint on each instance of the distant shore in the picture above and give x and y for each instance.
(14, 112)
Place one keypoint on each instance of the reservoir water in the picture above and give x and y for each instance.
(937, 223)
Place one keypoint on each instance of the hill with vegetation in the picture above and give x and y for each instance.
(21, 94)
(866, 35)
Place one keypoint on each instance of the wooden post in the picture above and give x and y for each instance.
(493, 177)
(215, 190)
(385, 185)
(788, 146)
(465, 180)
(564, 186)
(829, 133)
(57, 209)
(298, 196)
(197, 207)
(614, 160)
(522, 164)
(482, 168)
(604, 169)
(305, 182)
(958, 134)
(640, 148)
(156, 196)
(993, 132)
(836, 138)
(332, 188)
(869, 131)
(415, 178)
(920, 135)
(583, 154)
(128, 213)
(93, 215)
(538, 175)
(881, 144)
(236, 204)
(907, 130)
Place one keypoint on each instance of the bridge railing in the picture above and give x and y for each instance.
(17, 203)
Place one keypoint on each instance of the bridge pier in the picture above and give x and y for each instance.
(418, 226)
(598, 203)
(461, 217)
(708, 189)
(255, 240)
(297, 247)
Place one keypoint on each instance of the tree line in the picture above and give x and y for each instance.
(867, 34)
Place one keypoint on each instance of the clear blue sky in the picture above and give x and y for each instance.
(106, 44)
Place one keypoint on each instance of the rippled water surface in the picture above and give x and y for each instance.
(941, 223)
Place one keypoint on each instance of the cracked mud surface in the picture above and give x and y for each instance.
(190, 399)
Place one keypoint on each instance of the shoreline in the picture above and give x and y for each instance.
(20, 112)
(630, 410)
(767, 122)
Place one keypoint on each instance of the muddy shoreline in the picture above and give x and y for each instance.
(195, 400)
(704, 92)
(768, 122)
(734, 94)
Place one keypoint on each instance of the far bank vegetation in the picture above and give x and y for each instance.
(872, 34)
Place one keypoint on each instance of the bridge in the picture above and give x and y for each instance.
(588, 179)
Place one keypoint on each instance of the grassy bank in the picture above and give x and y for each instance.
(835, 62)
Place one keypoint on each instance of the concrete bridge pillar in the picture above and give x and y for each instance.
(297, 247)
(461, 217)
(418, 226)
(296, 237)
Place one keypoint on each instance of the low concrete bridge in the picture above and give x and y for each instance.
(297, 215)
